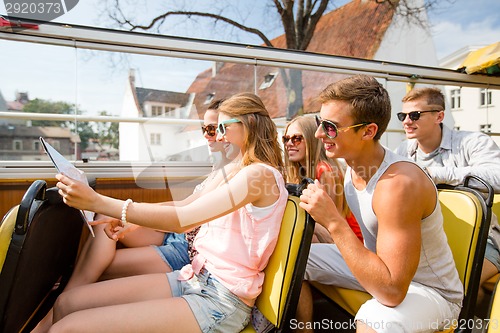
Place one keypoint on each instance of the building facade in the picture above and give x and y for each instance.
(472, 109)
(150, 141)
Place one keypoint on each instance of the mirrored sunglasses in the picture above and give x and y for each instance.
(296, 139)
(221, 127)
(209, 129)
(331, 130)
(414, 115)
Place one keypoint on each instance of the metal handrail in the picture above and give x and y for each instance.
(143, 43)
(110, 119)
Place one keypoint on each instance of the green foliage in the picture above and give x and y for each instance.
(86, 132)
(108, 133)
(104, 133)
(43, 106)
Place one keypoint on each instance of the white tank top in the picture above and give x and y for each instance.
(436, 268)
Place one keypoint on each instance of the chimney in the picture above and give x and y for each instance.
(216, 66)
(131, 76)
(22, 97)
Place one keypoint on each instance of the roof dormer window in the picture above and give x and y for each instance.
(210, 98)
(157, 111)
(268, 80)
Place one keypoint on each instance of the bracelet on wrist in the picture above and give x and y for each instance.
(124, 211)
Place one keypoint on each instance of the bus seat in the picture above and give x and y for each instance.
(6, 230)
(467, 238)
(496, 205)
(466, 216)
(39, 243)
(494, 311)
(348, 299)
(491, 282)
(285, 270)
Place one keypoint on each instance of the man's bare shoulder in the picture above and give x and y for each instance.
(405, 179)
(404, 190)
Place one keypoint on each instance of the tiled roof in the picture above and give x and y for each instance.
(23, 131)
(227, 82)
(15, 106)
(355, 29)
(160, 96)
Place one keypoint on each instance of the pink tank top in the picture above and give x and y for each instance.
(235, 248)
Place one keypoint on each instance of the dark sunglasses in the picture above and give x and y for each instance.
(221, 127)
(414, 115)
(209, 129)
(331, 130)
(296, 139)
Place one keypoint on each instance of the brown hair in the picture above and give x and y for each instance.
(433, 96)
(214, 105)
(369, 100)
(315, 152)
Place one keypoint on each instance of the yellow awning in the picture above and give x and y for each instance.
(483, 61)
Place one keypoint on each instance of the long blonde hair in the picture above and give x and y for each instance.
(261, 136)
(315, 154)
(295, 172)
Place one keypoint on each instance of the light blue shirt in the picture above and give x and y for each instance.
(462, 153)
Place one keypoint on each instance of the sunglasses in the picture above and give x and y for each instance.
(296, 139)
(414, 115)
(209, 129)
(331, 130)
(221, 127)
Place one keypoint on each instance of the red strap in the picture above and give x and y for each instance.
(322, 167)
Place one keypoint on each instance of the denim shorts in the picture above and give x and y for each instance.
(492, 254)
(215, 307)
(174, 250)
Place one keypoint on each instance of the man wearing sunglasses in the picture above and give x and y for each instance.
(448, 156)
(391, 198)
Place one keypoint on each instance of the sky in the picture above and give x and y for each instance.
(464, 23)
(454, 24)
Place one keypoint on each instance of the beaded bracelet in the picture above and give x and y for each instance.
(124, 211)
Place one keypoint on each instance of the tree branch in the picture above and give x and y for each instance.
(161, 18)
(288, 22)
(311, 26)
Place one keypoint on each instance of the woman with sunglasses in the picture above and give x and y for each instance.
(145, 250)
(305, 157)
(240, 222)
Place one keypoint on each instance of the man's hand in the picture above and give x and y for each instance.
(317, 202)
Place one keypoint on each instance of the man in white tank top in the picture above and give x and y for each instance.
(405, 262)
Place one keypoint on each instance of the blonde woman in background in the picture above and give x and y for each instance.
(305, 157)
